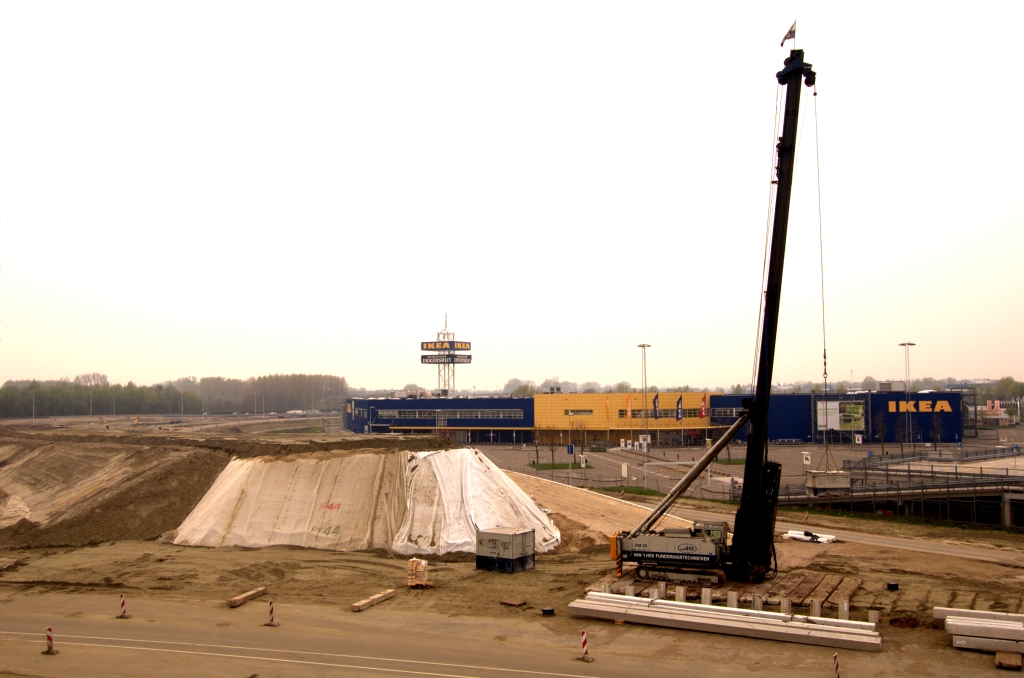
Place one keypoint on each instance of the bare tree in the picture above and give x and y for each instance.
(92, 379)
(881, 428)
(900, 432)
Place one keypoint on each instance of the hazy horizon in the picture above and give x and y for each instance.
(241, 190)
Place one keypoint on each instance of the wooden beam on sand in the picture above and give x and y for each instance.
(845, 591)
(255, 593)
(373, 600)
(822, 591)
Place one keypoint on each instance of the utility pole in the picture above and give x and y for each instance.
(906, 386)
(643, 352)
(752, 547)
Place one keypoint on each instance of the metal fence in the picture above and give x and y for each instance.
(943, 454)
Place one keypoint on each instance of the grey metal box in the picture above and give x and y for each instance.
(505, 549)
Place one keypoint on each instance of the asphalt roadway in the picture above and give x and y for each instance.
(193, 638)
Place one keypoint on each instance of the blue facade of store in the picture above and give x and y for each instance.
(789, 416)
(807, 417)
(921, 417)
(481, 420)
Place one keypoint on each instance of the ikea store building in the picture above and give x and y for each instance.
(676, 418)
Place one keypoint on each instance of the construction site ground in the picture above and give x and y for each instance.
(182, 626)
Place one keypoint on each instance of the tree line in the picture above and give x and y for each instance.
(94, 394)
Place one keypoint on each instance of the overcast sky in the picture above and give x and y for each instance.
(235, 189)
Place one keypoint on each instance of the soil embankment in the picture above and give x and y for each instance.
(79, 485)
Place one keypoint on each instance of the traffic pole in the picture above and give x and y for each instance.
(271, 622)
(49, 642)
(585, 657)
(835, 660)
(123, 615)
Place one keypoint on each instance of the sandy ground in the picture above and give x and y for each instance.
(76, 577)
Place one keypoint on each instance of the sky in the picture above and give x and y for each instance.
(244, 188)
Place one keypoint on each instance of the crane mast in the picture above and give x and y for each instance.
(752, 549)
(702, 553)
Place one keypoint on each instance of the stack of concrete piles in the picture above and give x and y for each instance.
(986, 631)
(733, 621)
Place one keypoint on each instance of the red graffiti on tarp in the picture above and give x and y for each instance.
(330, 506)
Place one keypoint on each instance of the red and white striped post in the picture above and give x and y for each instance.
(835, 660)
(271, 622)
(123, 615)
(49, 642)
(585, 657)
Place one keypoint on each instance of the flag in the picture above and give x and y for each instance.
(655, 403)
(704, 406)
(629, 407)
(791, 33)
(679, 409)
(607, 412)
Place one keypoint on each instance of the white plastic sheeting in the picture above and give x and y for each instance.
(804, 535)
(408, 502)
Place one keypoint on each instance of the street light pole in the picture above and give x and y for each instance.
(647, 432)
(906, 385)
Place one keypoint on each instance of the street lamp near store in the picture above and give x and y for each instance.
(906, 385)
(643, 352)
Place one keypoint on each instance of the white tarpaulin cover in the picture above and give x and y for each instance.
(408, 502)
(804, 535)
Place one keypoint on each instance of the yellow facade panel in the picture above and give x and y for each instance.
(610, 411)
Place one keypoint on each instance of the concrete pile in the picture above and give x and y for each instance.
(986, 631)
(407, 502)
(840, 633)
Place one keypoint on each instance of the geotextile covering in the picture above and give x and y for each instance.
(407, 502)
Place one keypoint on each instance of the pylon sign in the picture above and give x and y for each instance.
(446, 359)
(445, 346)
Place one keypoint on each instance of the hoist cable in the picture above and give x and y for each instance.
(772, 194)
(827, 457)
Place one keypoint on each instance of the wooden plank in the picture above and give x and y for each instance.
(845, 590)
(823, 590)
(514, 603)
(255, 593)
(373, 600)
(742, 590)
(786, 583)
(987, 644)
(793, 579)
(722, 592)
(809, 583)
(760, 589)
(1008, 660)
(610, 579)
(943, 612)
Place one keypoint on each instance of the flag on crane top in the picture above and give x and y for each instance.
(679, 409)
(655, 403)
(791, 33)
(629, 407)
(704, 406)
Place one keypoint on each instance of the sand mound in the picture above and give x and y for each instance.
(69, 494)
(407, 502)
(600, 516)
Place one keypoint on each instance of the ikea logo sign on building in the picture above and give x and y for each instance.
(445, 346)
(919, 406)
